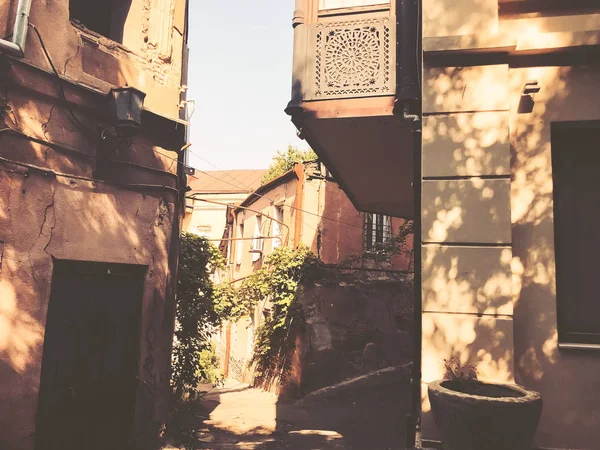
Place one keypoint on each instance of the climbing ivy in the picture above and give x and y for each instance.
(275, 285)
(196, 314)
(275, 336)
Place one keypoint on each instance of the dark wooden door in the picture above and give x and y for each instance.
(90, 359)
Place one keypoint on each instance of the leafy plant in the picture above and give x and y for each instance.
(210, 364)
(196, 313)
(276, 283)
(275, 337)
(456, 371)
(285, 161)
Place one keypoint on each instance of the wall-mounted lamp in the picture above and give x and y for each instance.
(531, 87)
(526, 102)
(126, 104)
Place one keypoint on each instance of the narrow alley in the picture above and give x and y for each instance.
(367, 412)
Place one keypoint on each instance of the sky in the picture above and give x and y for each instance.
(240, 71)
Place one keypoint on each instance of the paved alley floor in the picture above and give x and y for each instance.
(364, 416)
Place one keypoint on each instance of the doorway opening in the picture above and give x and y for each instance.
(90, 357)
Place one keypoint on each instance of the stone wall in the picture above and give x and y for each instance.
(356, 322)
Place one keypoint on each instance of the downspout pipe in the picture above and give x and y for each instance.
(16, 47)
(408, 107)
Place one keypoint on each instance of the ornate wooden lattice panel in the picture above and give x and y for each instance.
(353, 59)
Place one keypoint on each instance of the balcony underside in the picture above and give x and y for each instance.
(367, 149)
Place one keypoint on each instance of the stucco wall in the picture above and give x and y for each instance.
(566, 378)
(210, 215)
(42, 219)
(68, 195)
(149, 59)
(283, 195)
(489, 284)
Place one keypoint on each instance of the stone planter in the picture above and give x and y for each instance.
(482, 416)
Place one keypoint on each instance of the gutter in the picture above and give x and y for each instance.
(16, 47)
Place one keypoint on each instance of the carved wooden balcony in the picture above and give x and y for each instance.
(343, 98)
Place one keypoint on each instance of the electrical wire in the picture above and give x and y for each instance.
(83, 127)
(78, 177)
(218, 168)
(246, 187)
(272, 200)
(60, 147)
(60, 84)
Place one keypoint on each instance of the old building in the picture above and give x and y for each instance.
(305, 206)
(214, 190)
(90, 211)
(503, 171)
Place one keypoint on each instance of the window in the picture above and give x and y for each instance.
(335, 4)
(106, 17)
(229, 235)
(575, 168)
(239, 244)
(257, 241)
(204, 230)
(278, 216)
(378, 230)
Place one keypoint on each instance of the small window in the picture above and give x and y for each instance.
(575, 169)
(239, 247)
(105, 17)
(378, 231)
(258, 241)
(229, 235)
(204, 230)
(277, 235)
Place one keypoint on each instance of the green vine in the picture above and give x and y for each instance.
(276, 285)
(196, 313)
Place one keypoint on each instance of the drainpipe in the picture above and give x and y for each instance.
(408, 106)
(16, 47)
(299, 57)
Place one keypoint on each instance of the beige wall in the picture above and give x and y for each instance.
(467, 299)
(57, 200)
(210, 218)
(284, 195)
(489, 181)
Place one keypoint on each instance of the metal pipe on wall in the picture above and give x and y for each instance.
(408, 105)
(16, 47)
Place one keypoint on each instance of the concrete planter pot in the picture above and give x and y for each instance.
(482, 416)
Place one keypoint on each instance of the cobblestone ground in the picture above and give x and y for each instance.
(369, 416)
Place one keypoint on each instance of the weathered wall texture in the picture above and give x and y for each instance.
(571, 416)
(356, 322)
(62, 198)
(489, 282)
(325, 220)
(150, 57)
(354, 325)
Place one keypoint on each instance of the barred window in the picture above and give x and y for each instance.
(378, 230)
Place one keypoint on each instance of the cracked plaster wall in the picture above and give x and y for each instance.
(43, 218)
(84, 214)
(149, 59)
